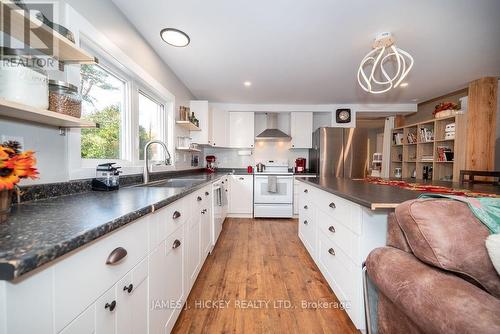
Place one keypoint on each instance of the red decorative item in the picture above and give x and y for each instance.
(300, 165)
(250, 170)
(210, 163)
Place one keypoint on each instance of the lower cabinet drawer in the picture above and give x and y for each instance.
(339, 208)
(347, 240)
(343, 276)
(168, 219)
(82, 277)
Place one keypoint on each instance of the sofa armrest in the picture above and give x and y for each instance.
(437, 301)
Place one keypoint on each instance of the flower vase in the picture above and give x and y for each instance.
(5, 204)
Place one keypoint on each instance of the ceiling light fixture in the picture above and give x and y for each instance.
(247, 83)
(175, 37)
(383, 50)
(403, 84)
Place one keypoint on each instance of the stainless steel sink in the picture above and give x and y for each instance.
(174, 183)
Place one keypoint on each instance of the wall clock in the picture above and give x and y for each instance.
(343, 116)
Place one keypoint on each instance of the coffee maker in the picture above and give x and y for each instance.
(300, 165)
(210, 163)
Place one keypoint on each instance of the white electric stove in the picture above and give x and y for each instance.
(273, 202)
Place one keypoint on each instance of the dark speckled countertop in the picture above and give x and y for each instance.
(374, 196)
(40, 231)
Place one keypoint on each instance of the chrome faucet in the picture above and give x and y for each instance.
(146, 157)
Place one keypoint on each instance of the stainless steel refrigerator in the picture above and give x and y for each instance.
(340, 152)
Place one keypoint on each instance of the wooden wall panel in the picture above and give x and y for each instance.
(481, 124)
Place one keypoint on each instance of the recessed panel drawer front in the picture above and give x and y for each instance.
(343, 276)
(340, 234)
(85, 275)
(342, 210)
(171, 217)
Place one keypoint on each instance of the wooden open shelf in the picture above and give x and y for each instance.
(20, 111)
(187, 149)
(188, 125)
(413, 153)
(63, 49)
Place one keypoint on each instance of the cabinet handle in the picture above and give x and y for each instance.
(111, 306)
(204, 211)
(331, 251)
(306, 222)
(332, 205)
(176, 215)
(116, 255)
(306, 207)
(128, 288)
(306, 191)
(222, 182)
(226, 190)
(176, 244)
(207, 193)
(331, 229)
(242, 178)
(198, 198)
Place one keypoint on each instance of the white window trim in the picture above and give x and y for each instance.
(79, 169)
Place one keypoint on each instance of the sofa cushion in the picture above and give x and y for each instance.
(446, 234)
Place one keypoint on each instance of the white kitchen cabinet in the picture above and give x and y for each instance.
(193, 239)
(132, 301)
(206, 223)
(339, 235)
(201, 112)
(241, 129)
(218, 128)
(84, 324)
(105, 316)
(241, 195)
(166, 282)
(301, 128)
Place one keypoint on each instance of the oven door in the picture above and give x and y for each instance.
(283, 195)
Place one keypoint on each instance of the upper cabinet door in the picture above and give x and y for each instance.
(219, 120)
(200, 109)
(301, 126)
(241, 129)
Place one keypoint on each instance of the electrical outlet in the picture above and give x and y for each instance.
(20, 140)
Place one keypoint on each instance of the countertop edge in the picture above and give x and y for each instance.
(10, 271)
(366, 204)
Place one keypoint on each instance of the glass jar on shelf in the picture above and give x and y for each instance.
(22, 78)
(64, 98)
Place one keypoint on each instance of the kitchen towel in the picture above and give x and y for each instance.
(272, 184)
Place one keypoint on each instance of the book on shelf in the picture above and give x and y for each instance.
(397, 138)
(426, 135)
(429, 158)
(444, 153)
(411, 138)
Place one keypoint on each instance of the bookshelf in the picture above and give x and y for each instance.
(430, 144)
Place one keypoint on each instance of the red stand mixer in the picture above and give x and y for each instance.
(210, 163)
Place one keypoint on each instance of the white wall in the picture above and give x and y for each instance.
(51, 148)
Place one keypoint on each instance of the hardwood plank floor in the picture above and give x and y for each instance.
(262, 262)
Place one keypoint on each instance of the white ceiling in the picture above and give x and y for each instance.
(308, 51)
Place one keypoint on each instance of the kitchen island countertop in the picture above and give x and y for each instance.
(375, 196)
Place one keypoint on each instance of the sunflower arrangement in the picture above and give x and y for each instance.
(15, 165)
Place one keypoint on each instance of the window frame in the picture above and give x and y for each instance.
(136, 81)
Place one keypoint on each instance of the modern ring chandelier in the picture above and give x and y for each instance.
(373, 76)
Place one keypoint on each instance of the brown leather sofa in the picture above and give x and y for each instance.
(435, 275)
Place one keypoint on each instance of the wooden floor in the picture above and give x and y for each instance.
(261, 263)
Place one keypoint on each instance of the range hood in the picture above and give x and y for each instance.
(272, 133)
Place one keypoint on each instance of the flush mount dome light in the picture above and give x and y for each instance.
(373, 76)
(175, 37)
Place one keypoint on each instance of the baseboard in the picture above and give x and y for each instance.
(239, 215)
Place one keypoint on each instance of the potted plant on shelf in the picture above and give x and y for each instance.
(15, 165)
